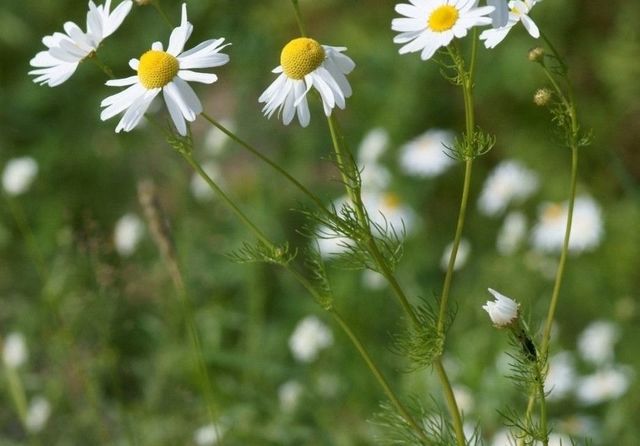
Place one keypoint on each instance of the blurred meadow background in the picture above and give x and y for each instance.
(93, 330)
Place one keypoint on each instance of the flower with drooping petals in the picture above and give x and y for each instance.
(305, 64)
(428, 25)
(66, 50)
(503, 311)
(518, 12)
(167, 72)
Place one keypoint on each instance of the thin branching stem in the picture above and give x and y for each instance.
(296, 8)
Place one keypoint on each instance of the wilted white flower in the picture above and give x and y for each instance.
(65, 51)
(512, 232)
(310, 336)
(519, 12)
(199, 187)
(168, 72)
(561, 377)
(18, 175)
(305, 64)
(464, 249)
(596, 342)
(431, 24)
(510, 181)
(14, 351)
(586, 228)
(425, 156)
(128, 232)
(38, 414)
(503, 311)
(208, 435)
(289, 395)
(604, 385)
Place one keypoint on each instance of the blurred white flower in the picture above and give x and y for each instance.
(14, 351)
(127, 234)
(503, 311)
(38, 414)
(595, 343)
(586, 229)
(561, 377)
(373, 280)
(374, 177)
(464, 398)
(199, 187)
(310, 336)
(305, 64)
(503, 438)
(509, 182)
(604, 385)
(464, 249)
(373, 145)
(512, 233)
(289, 395)
(215, 140)
(208, 435)
(65, 51)
(425, 156)
(386, 209)
(18, 175)
(518, 12)
(331, 244)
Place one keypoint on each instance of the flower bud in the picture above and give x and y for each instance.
(536, 54)
(502, 311)
(542, 97)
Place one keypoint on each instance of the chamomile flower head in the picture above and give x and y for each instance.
(66, 50)
(510, 181)
(586, 227)
(427, 25)
(503, 311)
(306, 64)
(167, 72)
(425, 156)
(518, 12)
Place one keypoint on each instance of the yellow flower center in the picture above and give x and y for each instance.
(391, 200)
(157, 68)
(443, 18)
(553, 212)
(300, 57)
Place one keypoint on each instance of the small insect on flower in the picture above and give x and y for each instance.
(65, 51)
(166, 72)
(304, 64)
(431, 24)
(518, 12)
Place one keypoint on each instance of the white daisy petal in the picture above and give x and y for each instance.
(194, 76)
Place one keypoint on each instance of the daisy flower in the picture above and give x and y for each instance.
(425, 155)
(304, 64)
(510, 181)
(511, 234)
(309, 338)
(604, 385)
(431, 24)
(66, 50)
(518, 12)
(586, 227)
(166, 72)
(464, 249)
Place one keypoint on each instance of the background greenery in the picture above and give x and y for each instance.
(107, 341)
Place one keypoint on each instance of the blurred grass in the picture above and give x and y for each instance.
(107, 345)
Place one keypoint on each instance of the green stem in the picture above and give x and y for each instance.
(23, 225)
(164, 16)
(452, 404)
(296, 8)
(93, 57)
(267, 160)
(348, 174)
(379, 376)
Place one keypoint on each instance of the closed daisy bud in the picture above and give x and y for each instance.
(503, 311)
(536, 54)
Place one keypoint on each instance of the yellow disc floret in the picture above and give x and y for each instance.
(157, 68)
(443, 18)
(300, 57)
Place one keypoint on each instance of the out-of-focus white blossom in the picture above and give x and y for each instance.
(464, 249)
(208, 435)
(38, 414)
(586, 228)
(561, 377)
(14, 351)
(509, 182)
(604, 385)
(512, 233)
(596, 342)
(18, 175)
(425, 156)
(373, 280)
(373, 145)
(289, 395)
(216, 140)
(464, 398)
(127, 234)
(310, 337)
